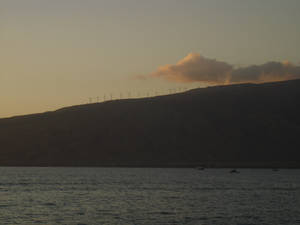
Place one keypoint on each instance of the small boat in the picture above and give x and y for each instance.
(200, 168)
(234, 171)
(275, 169)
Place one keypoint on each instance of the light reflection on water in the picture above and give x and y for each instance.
(148, 196)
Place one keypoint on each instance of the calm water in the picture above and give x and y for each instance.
(148, 196)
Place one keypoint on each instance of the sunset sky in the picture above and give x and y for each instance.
(56, 53)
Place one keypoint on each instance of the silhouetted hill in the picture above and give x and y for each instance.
(255, 125)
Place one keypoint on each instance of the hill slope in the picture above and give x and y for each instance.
(237, 125)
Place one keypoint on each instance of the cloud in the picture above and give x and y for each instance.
(196, 68)
(271, 71)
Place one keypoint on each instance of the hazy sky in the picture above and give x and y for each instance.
(55, 53)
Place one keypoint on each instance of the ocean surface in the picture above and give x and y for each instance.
(141, 196)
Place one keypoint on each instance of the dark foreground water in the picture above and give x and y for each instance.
(148, 196)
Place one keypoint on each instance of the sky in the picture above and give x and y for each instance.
(56, 53)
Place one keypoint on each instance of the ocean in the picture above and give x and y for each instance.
(148, 196)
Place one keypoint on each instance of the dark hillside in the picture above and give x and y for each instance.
(238, 125)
